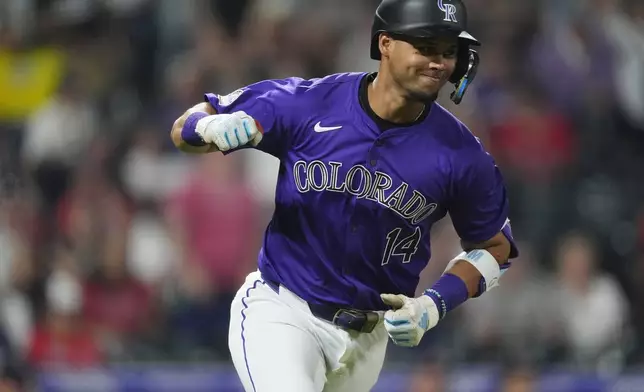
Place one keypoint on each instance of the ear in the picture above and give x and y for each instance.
(385, 44)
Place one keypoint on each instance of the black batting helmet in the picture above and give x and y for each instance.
(428, 19)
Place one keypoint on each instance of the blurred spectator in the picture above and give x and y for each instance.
(212, 230)
(518, 322)
(213, 218)
(29, 77)
(16, 273)
(493, 88)
(572, 60)
(534, 146)
(534, 143)
(151, 257)
(625, 30)
(594, 308)
(56, 139)
(149, 175)
(117, 305)
(62, 339)
(93, 210)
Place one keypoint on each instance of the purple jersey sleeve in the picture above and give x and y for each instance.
(270, 103)
(479, 206)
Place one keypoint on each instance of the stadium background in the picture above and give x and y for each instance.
(119, 256)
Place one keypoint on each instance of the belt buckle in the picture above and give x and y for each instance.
(367, 320)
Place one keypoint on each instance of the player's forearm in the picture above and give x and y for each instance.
(470, 273)
(182, 146)
(470, 276)
(498, 247)
(178, 131)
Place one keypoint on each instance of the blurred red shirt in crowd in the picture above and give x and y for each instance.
(53, 347)
(62, 338)
(119, 306)
(213, 216)
(534, 142)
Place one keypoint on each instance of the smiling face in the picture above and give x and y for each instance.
(419, 66)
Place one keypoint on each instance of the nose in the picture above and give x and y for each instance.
(437, 63)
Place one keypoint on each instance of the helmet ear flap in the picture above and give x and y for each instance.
(462, 62)
(375, 47)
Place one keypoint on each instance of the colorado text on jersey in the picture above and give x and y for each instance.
(360, 182)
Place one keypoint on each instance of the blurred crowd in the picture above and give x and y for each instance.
(116, 248)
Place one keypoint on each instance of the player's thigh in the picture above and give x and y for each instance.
(279, 357)
(363, 370)
(270, 351)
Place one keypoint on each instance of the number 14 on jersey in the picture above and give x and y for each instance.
(397, 246)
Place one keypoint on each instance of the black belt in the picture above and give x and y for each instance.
(353, 319)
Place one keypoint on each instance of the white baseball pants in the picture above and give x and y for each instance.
(278, 345)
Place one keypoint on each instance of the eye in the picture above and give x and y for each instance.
(426, 50)
(451, 53)
(432, 51)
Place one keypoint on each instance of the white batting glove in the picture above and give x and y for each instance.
(229, 131)
(410, 318)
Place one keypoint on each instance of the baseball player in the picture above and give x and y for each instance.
(368, 163)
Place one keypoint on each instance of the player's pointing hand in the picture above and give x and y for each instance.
(229, 131)
(409, 318)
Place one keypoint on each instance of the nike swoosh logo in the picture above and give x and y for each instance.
(319, 128)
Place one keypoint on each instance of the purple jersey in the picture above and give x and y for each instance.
(355, 204)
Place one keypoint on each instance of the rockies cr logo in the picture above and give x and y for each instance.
(449, 10)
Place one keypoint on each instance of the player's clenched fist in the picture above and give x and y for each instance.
(409, 318)
(229, 131)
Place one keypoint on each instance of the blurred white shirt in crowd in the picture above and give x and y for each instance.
(59, 131)
(151, 255)
(15, 311)
(594, 321)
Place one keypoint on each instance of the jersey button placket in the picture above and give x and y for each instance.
(374, 154)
